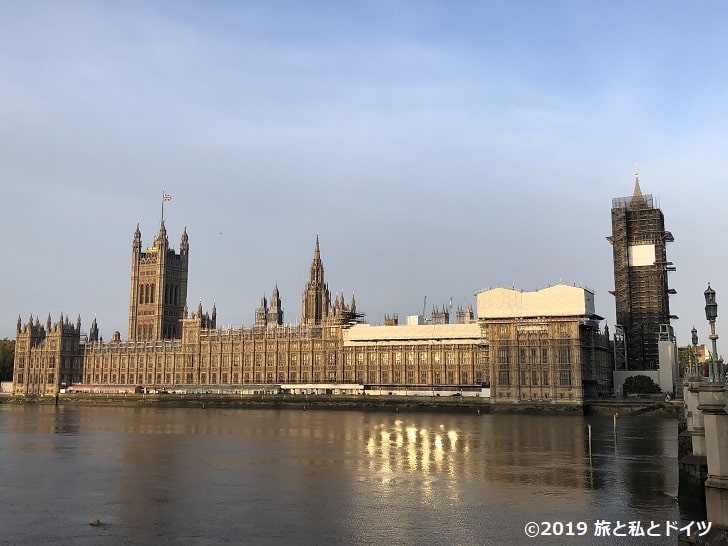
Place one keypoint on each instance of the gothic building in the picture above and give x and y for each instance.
(330, 350)
(639, 244)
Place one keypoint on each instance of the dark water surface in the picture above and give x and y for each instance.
(191, 476)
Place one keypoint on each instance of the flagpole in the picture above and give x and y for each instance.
(162, 205)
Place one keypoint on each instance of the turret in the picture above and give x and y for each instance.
(137, 244)
(162, 242)
(184, 246)
(93, 333)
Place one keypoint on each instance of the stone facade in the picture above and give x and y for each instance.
(555, 355)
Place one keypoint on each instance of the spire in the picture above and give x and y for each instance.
(20, 325)
(184, 246)
(317, 268)
(48, 322)
(638, 200)
(137, 244)
(316, 296)
(162, 241)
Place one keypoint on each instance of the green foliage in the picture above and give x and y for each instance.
(7, 355)
(640, 384)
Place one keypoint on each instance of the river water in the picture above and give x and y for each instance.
(193, 476)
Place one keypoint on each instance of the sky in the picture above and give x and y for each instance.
(436, 148)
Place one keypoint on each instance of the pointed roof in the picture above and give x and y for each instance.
(638, 200)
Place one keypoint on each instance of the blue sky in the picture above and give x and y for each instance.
(436, 148)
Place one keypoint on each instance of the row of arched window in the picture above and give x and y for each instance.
(171, 294)
(146, 293)
(145, 332)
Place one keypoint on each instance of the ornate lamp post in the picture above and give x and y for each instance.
(694, 364)
(711, 313)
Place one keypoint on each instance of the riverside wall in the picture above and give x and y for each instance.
(367, 403)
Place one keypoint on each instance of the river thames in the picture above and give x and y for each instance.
(193, 476)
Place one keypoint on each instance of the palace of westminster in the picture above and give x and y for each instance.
(542, 346)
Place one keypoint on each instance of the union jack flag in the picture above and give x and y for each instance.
(166, 197)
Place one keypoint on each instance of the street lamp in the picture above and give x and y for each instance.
(711, 313)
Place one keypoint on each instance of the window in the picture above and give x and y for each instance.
(503, 355)
(504, 375)
(564, 355)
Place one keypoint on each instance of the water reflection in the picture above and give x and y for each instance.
(271, 476)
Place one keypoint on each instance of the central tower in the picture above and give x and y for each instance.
(316, 296)
(158, 291)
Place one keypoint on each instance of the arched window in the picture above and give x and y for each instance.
(151, 298)
(141, 293)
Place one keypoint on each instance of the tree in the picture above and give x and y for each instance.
(640, 384)
(7, 356)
